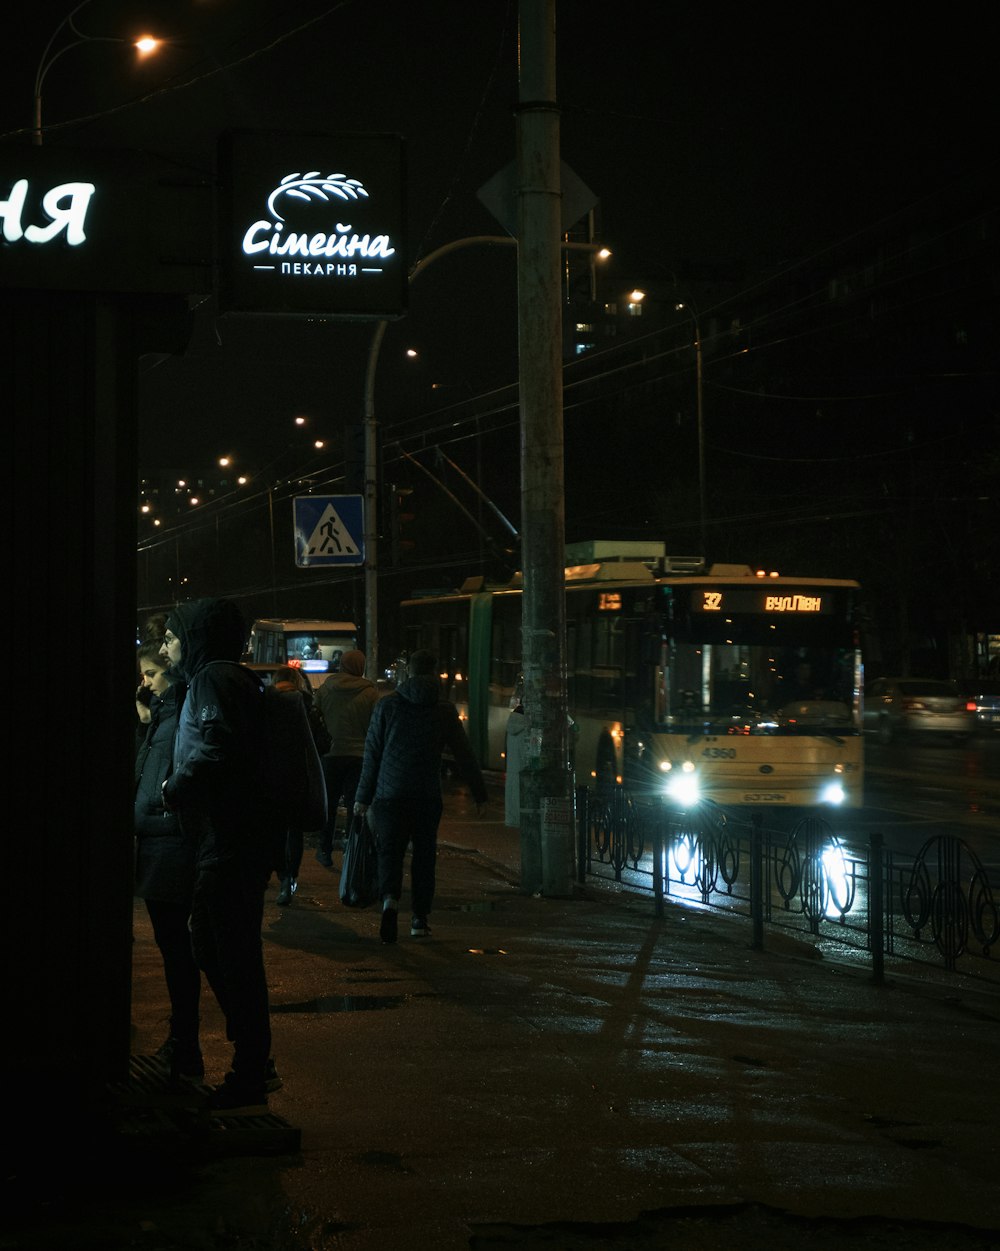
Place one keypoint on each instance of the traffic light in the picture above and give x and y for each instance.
(354, 458)
(400, 518)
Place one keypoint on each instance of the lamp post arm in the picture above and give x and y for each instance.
(46, 62)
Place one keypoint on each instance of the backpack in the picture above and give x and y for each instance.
(294, 773)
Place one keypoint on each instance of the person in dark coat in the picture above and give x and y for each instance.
(401, 780)
(164, 865)
(345, 701)
(292, 679)
(217, 788)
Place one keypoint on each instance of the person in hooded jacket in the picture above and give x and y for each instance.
(401, 781)
(345, 701)
(217, 788)
(164, 864)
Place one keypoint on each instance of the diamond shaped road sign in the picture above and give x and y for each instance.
(499, 195)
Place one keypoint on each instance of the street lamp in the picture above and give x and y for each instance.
(693, 314)
(146, 45)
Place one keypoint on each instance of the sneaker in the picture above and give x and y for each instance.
(184, 1059)
(419, 927)
(235, 1099)
(388, 925)
(272, 1078)
(285, 892)
(325, 859)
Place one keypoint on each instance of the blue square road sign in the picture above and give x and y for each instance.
(329, 530)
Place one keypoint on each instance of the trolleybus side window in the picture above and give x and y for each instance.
(506, 645)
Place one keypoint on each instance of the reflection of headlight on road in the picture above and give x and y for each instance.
(684, 790)
(832, 793)
(838, 879)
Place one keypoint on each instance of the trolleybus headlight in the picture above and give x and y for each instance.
(832, 793)
(684, 789)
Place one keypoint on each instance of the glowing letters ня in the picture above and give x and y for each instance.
(65, 205)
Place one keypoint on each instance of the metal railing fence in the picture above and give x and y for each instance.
(937, 906)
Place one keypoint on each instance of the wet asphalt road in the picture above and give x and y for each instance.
(564, 1073)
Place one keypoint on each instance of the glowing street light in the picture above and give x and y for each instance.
(146, 45)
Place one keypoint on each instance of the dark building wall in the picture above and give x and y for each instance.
(68, 364)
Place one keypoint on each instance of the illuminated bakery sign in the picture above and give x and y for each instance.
(63, 210)
(101, 220)
(312, 225)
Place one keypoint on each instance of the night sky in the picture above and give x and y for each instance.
(717, 135)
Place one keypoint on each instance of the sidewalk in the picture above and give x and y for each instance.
(573, 1074)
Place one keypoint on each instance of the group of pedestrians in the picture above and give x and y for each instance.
(207, 832)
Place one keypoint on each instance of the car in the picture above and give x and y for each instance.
(895, 706)
(985, 694)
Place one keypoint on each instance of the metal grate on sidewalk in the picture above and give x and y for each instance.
(152, 1110)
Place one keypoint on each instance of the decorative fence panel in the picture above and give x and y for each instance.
(937, 906)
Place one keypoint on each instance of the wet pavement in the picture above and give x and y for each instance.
(572, 1073)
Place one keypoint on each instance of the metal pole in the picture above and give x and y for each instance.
(546, 844)
(757, 880)
(274, 571)
(876, 907)
(371, 506)
(701, 441)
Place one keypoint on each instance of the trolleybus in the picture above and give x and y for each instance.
(727, 683)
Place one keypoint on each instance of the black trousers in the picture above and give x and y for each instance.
(294, 844)
(226, 917)
(399, 823)
(342, 774)
(180, 969)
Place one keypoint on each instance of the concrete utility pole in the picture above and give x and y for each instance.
(546, 781)
(371, 506)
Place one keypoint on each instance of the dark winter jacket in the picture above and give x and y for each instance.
(346, 701)
(164, 853)
(409, 730)
(217, 785)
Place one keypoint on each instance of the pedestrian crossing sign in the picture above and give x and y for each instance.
(329, 530)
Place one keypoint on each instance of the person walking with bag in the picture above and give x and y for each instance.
(401, 781)
(345, 701)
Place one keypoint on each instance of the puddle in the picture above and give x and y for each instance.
(344, 1003)
(486, 951)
